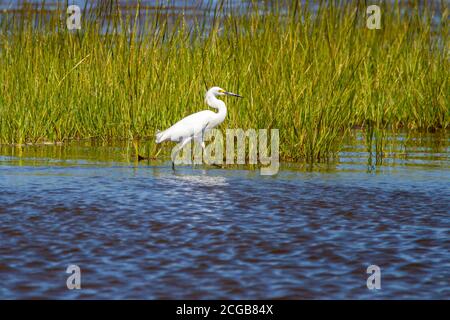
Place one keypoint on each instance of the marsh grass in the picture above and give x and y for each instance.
(313, 74)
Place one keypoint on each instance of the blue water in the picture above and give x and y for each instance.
(144, 231)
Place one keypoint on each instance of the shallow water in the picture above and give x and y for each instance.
(143, 231)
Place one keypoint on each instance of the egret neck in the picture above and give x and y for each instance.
(215, 103)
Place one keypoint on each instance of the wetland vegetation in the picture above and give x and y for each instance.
(314, 71)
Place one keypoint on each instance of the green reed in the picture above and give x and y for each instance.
(313, 75)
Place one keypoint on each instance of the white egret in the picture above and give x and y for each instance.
(194, 126)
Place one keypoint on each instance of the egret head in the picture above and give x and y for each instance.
(217, 91)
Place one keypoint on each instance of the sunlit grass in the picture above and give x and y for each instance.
(314, 75)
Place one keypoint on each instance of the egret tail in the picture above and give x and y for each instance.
(160, 136)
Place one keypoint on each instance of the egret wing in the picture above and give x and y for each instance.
(192, 125)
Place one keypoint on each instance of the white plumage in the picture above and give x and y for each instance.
(196, 125)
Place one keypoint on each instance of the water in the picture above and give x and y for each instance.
(142, 231)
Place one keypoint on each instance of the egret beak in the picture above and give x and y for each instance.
(233, 94)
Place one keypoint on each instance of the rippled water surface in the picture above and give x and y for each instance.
(143, 231)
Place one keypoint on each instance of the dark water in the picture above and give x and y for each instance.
(142, 231)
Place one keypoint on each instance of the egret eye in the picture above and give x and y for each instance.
(221, 90)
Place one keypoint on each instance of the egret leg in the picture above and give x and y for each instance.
(174, 156)
(203, 148)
